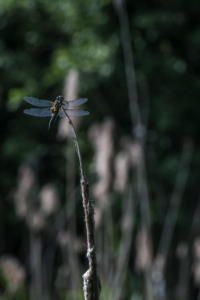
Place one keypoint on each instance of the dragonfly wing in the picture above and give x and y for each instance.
(38, 102)
(74, 103)
(38, 112)
(77, 113)
(73, 113)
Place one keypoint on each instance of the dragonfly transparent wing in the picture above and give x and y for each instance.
(38, 102)
(74, 103)
(38, 112)
(73, 113)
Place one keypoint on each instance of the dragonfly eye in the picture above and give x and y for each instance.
(59, 98)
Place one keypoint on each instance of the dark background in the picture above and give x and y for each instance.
(138, 64)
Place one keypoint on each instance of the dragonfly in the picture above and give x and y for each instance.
(54, 109)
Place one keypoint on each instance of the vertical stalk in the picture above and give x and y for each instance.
(91, 284)
(138, 133)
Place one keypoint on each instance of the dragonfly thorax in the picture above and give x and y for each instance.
(57, 104)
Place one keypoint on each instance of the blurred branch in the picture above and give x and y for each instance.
(183, 282)
(71, 92)
(138, 127)
(195, 228)
(194, 255)
(125, 244)
(35, 265)
(91, 283)
(170, 222)
(177, 196)
(129, 68)
(138, 131)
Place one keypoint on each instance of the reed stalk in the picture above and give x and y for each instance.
(91, 283)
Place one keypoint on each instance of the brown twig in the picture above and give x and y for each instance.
(91, 283)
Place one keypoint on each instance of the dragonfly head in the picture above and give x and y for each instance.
(60, 98)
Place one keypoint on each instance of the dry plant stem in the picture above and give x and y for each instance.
(91, 284)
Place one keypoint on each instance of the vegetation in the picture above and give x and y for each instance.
(140, 148)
